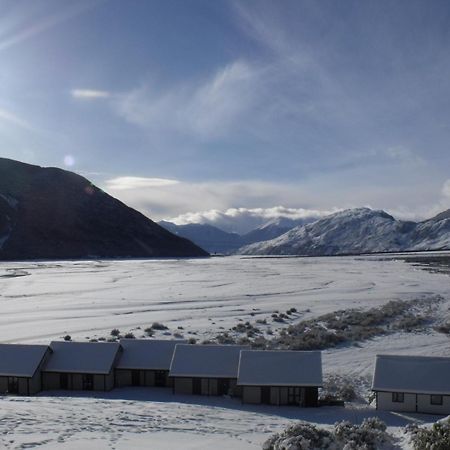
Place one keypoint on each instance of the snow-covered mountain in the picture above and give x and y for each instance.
(215, 240)
(208, 237)
(274, 228)
(354, 231)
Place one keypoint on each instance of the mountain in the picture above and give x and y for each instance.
(355, 231)
(50, 213)
(273, 228)
(211, 238)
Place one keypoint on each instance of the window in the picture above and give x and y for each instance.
(398, 397)
(436, 399)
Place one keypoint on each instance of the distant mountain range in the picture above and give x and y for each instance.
(357, 231)
(215, 240)
(49, 213)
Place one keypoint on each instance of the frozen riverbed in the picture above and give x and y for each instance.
(41, 301)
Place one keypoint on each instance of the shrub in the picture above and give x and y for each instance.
(370, 435)
(301, 436)
(192, 341)
(115, 332)
(67, 337)
(129, 335)
(177, 335)
(435, 438)
(159, 326)
(338, 387)
(149, 331)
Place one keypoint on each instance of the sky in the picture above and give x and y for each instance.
(199, 110)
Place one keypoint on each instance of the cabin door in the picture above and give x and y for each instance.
(160, 378)
(265, 395)
(88, 382)
(135, 378)
(223, 386)
(64, 380)
(294, 396)
(197, 386)
(13, 385)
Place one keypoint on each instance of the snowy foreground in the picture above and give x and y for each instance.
(44, 301)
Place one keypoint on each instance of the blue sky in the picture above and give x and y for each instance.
(193, 108)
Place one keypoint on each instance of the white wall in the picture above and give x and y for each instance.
(384, 402)
(424, 405)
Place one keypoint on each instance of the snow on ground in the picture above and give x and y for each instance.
(135, 418)
(41, 301)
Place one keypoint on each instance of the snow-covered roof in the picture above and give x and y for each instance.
(17, 360)
(147, 354)
(412, 374)
(208, 361)
(82, 357)
(280, 368)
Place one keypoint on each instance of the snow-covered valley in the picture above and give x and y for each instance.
(197, 298)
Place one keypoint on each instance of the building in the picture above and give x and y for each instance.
(205, 369)
(20, 368)
(87, 366)
(412, 384)
(280, 377)
(145, 362)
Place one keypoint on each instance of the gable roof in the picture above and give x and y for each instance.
(147, 354)
(208, 361)
(18, 360)
(412, 374)
(280, 368)
(82, 357)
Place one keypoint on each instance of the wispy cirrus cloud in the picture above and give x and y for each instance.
(89, 94)
(13, 119)
(204, 109)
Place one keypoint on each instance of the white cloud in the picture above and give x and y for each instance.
(125, 183)
(242, 220)
(89, 94)
(205, 110)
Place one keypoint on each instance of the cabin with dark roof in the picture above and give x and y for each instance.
(206, 369)
(412, 383)
(20, 368)
(145, 362)
(87, 366)
(280, 377)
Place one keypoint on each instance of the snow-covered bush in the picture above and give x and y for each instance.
(301, 436)
(159, 326)
(115, 332)
(370, 435)
(338, 387)
(435, 438)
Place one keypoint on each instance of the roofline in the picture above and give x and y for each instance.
(410, 391)
(414, 357)
(140, 368)
(47, 351)
(77, 371)
(200, 376)
(282, 384)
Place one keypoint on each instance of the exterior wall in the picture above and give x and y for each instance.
(209, 386)
(251, 394)
(146, 378)
(123, 378)
(424, 405)
(182, 385)
(385, 403)
(51, 381)
(3, 384)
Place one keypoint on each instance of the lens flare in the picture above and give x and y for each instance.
(69, 160)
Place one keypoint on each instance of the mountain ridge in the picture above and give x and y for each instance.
(51, 213)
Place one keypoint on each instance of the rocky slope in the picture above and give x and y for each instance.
(49, 213)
